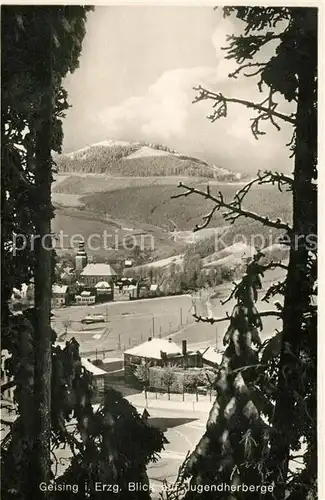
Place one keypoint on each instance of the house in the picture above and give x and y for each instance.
(104, 291)
(154, 350)
(95, 273)
(85, 298)
(67, 275)
(121, 293)
(133, 291)
(154, 289)
(59, 295)
(159, 352)
(212, 356)
(125, 289)
(128, 263)
(99, 376)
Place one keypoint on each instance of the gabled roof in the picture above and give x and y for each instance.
(98, 270)
(92, 368)
(213, 355)
(103, 284)
(153, 348)
(58, 289)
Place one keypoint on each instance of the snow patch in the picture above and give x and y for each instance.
(111, 143)
(147, 151)
(107, 143)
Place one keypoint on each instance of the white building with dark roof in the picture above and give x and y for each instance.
(159, 352)
(152, 349)
(59, 295)
(86, 298)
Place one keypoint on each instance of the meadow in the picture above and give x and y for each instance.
(93, 203)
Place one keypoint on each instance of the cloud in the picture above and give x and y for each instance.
(162, 112)
(165, 113)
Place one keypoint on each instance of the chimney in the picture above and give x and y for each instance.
(184, 347)
(149, 338)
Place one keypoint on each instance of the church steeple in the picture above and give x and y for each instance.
(81, 257)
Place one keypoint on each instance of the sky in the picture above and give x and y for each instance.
(135, 81)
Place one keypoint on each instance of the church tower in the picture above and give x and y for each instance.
(81, 257)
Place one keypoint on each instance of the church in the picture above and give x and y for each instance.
(90, 274)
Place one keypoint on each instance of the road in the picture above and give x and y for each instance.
(127, 323)
(183, 430)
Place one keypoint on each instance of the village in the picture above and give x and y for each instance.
(142, 343)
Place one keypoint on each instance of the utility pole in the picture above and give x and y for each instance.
(181, 316)
(153, 326)
(119, 342)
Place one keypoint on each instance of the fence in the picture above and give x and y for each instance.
(151, 327)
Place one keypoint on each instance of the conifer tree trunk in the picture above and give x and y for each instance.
(298, 286)
(43, 269)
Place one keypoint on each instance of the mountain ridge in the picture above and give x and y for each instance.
(139, 159)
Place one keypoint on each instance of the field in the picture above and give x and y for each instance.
(76, 223)
(130, 323)
(78, 183)
(88, 204)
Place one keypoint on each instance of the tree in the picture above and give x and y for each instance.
(169, 377)
(142, 373)
(210, 379)
(40, 46)
(193, 381)
(290, 376)
(236, 433)
(66, 324)
(33, 101)
(117, 444)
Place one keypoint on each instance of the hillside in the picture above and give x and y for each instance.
(92, 203)
(120, 158)
(75, 223)
(153, 205)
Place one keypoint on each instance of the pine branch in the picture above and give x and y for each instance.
(266, 109)
(235, 73)
(269, 177)
(207, 319)
(232, 293)
(274, 265)
(276, 289)
(221, 99)
(234, 207)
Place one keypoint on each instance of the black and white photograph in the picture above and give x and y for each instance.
(159, 252)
